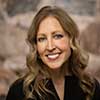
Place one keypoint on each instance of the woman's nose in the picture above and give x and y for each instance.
(50, 45)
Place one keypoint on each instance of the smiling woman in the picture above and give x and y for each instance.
(53, 44)
(56, 62)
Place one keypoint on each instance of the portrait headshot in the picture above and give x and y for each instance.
(56, 62)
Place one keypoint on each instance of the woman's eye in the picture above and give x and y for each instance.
(41, 39)
(58, 36)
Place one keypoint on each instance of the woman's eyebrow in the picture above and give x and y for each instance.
(41, 34)
(57, 32)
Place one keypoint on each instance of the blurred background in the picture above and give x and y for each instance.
(15, 19)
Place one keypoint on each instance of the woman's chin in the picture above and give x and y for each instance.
(54, 67)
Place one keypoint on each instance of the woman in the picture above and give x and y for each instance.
(56, 63)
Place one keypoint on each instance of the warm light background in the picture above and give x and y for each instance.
(15, 19)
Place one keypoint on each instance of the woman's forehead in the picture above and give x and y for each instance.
(49, 24)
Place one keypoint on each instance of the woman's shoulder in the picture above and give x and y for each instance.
(18, 81)
(16, 90)
(17, 84)
(97, 91)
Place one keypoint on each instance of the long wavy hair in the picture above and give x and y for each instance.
(77, 61)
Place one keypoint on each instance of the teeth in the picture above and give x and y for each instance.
(53, 56)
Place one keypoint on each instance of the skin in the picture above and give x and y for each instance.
(53, 47)
(53, 44)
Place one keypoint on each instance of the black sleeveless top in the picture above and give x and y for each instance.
(72, 91)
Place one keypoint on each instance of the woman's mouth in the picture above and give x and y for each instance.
(53, 56)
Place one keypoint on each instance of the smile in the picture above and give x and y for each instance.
(53, 56)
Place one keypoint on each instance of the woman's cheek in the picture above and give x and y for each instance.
(41, 48)
(64, 44)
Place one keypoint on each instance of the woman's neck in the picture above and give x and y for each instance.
(58, 79)
(59, 74)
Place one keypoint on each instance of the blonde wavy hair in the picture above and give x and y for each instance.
(77, 61)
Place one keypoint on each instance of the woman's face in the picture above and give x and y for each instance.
(53, 45)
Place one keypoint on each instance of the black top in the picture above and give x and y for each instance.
(72, 91)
